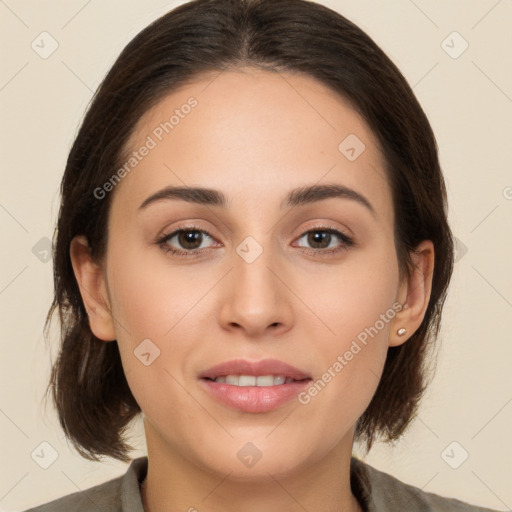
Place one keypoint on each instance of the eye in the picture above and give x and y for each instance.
(189, 239)
(321, 238)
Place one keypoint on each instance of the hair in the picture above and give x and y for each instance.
(88, 386)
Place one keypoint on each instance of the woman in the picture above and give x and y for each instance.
(252, 250)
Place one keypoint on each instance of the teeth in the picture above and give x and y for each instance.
(232, 379)
(248, 380)
(251, 380)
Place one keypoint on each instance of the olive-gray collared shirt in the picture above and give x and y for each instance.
(376, 491)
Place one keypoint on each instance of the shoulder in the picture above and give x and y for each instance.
(117, 495)
(382, 492)
(101, 497)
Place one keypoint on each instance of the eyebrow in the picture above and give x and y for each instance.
(296, 197)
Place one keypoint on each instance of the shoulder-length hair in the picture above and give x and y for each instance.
(87, 383)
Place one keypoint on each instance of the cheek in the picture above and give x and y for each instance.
(156, 306)
(150, 296)
(351, 296)
(355, 304)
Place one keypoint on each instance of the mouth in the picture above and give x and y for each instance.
(253, 380)
(254, 387)
(267, 372)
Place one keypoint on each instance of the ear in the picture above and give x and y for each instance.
(414, 294)
(91, 281)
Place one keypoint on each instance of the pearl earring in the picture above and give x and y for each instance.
(401, 331)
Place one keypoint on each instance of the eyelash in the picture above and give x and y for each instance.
(347, 242)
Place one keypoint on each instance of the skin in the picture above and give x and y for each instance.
(254, 135)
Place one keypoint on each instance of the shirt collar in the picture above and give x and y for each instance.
(131, 498)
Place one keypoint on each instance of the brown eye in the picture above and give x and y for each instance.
(189, 239)
(320, 240)
(185, 241)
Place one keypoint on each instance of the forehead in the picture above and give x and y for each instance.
(272, 131)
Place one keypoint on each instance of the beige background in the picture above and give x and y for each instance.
(469, 103)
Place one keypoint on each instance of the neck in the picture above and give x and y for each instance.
(174, 483)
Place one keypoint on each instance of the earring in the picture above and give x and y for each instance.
(401, 331)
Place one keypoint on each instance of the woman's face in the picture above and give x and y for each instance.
(257, 277)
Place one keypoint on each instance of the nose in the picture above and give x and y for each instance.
(256, 297)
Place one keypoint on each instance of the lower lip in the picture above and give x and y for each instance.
(254, 398)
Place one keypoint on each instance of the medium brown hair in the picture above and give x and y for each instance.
(89, 388)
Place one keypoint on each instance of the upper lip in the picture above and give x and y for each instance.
(256, 368)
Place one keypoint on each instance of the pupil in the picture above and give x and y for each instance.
(317, 237)
(187, 239)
